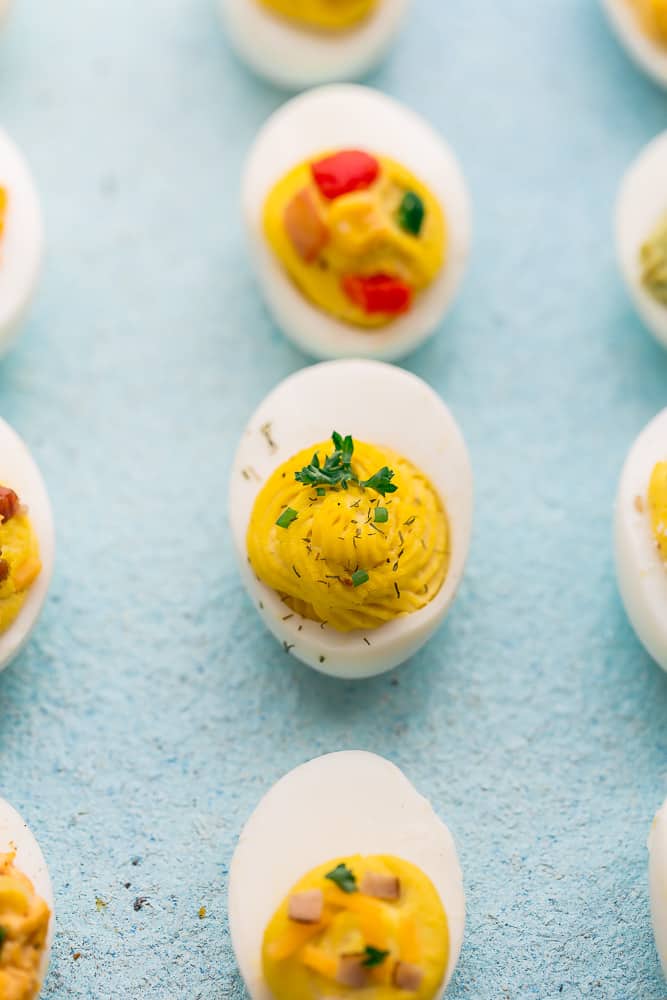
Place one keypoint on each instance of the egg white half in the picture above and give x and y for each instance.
(21, 244)
(293, 57)
(383, 405)
(646, 53)
(642, 576)
(642, 201)
(657, 877)
(19, 471)
(351, 802)
(349, 116)
(15, 834)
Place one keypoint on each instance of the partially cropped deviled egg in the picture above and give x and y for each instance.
(345, 882)
(641, 537)
(26, 909)
(641, 234)
(358, 223)
(641, 26)
(657, 876)
(351, 511)
(300, 43)
(21, 240)
(26, 543)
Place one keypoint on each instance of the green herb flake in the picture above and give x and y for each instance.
(374, 956)
(381, 515)
(410, 214)
(345, 879)
(3, 935)
(286, 518)
(359, 576)
(321, 491)
(381, 482)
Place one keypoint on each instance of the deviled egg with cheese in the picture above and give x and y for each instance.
(641, 26)
(26, 543)
(641, 235)
(300, 43)
(26, 909)
(641, 537)
(358, 223)
(346, 883)
(351, 511)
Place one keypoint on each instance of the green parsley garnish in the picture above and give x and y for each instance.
(3, 935)
(359, 576)
(374, 956)
(410, 214)
(337, 470)
(344, 878)
(381, 515)
(286, 518)
(321, 492)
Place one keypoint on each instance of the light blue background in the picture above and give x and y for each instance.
(151, 709)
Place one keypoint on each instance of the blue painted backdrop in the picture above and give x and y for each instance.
(151, 710)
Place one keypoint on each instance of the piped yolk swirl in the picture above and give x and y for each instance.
(657, 500)
(325, 15)
(24, 924)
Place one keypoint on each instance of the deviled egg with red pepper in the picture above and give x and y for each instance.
(26, 544)
(641, 235)
(346, 883)
(641, 26)
(358, 222)
(301, 43)
(351, 523)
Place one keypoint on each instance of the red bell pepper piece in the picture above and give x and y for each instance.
(350, 170)
(378, 293)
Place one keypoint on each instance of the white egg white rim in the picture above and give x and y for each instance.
(642, 576)
(353, 116)
(304, 409)
(642, 201)
(657, 872)
(646, 53)
(15, 834)
(19, 471)
(21, 246)
(369, 807)
(292, 57)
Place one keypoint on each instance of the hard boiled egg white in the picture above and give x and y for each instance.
(16, 835)
(382, 405)
(21, 242)
(657, 877)
(18, 471)
(642, 202)
(337, 805)
(296, 57)
(646, 53)
(342, 117)
(642, 576)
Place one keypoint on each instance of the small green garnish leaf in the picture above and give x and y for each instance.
(410, 214)
(3, 935)
(381, 482)
(321, 491)
(345, 879)
(374, 956)
(286, 518)
(359, 576)
(381, 515)
(337, 470)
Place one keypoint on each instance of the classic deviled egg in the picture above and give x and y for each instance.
(300, 43)
(641, 234)
(26, 544)
(351, 510)
(641, 537)
(26, 909)
(21, 240)
(641, 26)
(358, 223)
(345, 882)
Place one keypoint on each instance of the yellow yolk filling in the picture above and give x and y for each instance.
(326, 15)
(652, 15)
(311, 562)
(364, 238)
(4, 204)
(412, 929)
(653, 261)
(24, 920)
(657, 501)
(19, 549)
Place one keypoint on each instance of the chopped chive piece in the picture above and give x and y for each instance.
(343, 878)
(410, 213)
(381, 515)
(286, 518)
(374, 956)
(320, 491)
(359, 576)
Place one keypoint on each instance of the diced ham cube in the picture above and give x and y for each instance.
(380, 886)
(306, 907)
(407, 976)
(351, 971)
(305, 226)
(9, 503)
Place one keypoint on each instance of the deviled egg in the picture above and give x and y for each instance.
(26, 543)
(300, 43)
(345, 880)
(21, 240)
(358, 223)
(641, 26)
(641, 537)
(351, 511)
(641, 234)
(26, 909)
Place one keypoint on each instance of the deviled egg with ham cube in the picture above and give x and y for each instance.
(351, 512)
(358, 222)
(345, 880)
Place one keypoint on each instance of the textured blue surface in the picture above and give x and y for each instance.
(151, 710)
